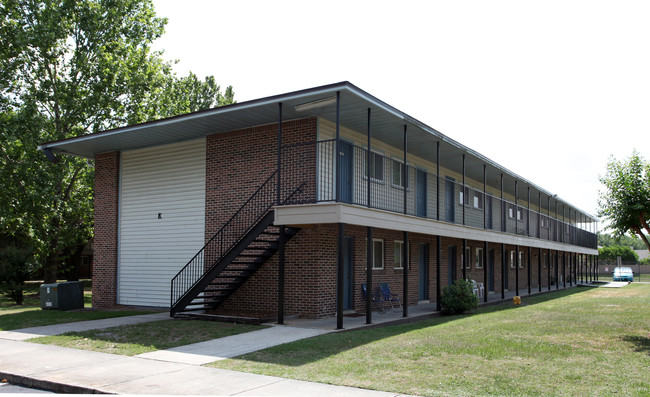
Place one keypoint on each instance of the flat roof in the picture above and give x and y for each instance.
(387, 125)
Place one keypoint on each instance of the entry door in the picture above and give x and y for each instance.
(452, 265)
(424, 272)
(421, 188)
(506, 268)
(348, 272)
(347, 171)
(488, 212)
(450, 203)
(491, 270)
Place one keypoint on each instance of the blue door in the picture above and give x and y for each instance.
(452, 264)
(506, 268)
(449, 199)
(488, 212)
(421, 190)
(424, 272)
(347, 171)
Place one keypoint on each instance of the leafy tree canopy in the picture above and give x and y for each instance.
(610, 253)
(606, 240)
(69, 68)
(626, 200)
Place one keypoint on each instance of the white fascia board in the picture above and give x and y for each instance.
(312, 214)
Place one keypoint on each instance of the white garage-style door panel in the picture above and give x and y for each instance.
(162, 218)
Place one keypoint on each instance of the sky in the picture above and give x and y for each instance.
(548, 89)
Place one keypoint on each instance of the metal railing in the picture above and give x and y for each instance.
(421, 193)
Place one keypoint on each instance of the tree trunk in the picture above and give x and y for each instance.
(50, 269)
(639, 232)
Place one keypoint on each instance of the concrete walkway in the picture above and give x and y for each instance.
(232, 346)
(67, 370)
(58, 329)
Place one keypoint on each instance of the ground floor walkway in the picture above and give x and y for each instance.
(179, 370)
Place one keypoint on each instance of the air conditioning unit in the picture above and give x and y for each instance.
(62, 296)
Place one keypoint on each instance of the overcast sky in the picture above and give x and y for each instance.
(548, 89)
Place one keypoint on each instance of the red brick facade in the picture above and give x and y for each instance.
(107, 172)
(237, 163)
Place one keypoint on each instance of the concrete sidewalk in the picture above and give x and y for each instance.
(232, 346)
(78, 371)
(58, 329)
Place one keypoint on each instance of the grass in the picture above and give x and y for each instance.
(30, 314)
(135, 339)
(571, 342)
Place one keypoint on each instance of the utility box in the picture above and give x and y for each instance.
(62, 296)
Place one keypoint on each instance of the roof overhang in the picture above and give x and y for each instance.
(387, 125)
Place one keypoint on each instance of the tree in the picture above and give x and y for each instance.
(69, 68)
(610, 253)
(626, 202)
(606, 240)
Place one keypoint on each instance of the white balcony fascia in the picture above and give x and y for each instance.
(323, 213)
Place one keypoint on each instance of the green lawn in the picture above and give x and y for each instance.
(130, 340)
(571, 342)
(30, 314)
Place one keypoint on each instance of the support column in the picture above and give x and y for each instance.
(369, 253)
(438, 182)
(279, 181)
(281, 242)
(405, 173)
(516, 215)
(438, 251)
(368, 165)
(339, 279)
(338, 148)
(405, 274)
(503, 209)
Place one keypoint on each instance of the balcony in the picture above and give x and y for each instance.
(385, 183)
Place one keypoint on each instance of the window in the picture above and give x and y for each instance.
(376, 167)
(521, 259)
(544, 222)
(520, 214)
(544, 260)
(468, 254)
(464, 197)
(478, 200)
(396, 170)
(511, 211)
(377, 253)
(479, 258)
(398, 258)
(512, 259)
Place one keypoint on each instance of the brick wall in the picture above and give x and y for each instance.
(107, 168)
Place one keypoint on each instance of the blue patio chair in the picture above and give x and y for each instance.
(389, 297)
(376, 298)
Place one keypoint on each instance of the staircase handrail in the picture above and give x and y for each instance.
(198, 273)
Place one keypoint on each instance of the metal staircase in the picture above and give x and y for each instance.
(232, 255)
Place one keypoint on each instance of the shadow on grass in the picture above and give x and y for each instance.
(317, 348)
(641, 343)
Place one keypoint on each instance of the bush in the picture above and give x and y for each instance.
(458, 298)
(16, 266)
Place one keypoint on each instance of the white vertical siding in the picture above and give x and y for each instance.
(168, 180)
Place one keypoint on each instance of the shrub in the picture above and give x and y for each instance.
(458, 298)
(16, 266)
